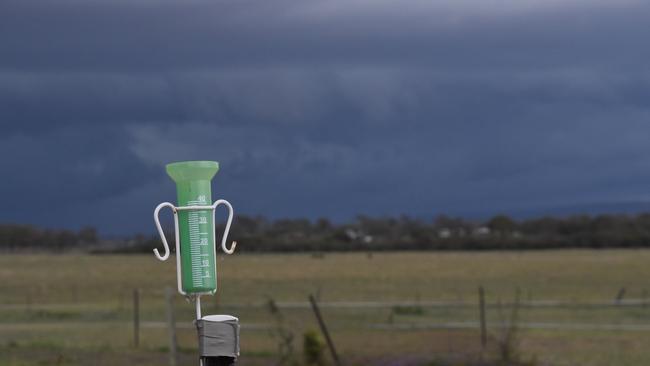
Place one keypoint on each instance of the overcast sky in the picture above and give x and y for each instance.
(321, 108)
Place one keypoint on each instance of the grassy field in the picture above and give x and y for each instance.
(76, 309)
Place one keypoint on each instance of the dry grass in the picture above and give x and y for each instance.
(101, 287)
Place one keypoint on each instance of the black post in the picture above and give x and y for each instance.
(218, 361)
(171, 323)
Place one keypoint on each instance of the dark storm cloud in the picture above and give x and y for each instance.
(38, 102)
(172, 35)
(321, 108)
(67, 166)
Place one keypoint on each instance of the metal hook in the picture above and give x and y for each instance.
(160, 230)
(225, 233)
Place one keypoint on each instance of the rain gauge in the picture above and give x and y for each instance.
(196, 255)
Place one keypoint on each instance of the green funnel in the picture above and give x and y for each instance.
(196, 227)
(186, 171)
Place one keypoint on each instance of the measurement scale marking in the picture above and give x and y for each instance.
(198, 240)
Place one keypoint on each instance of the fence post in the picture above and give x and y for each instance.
(620, 295)
(136, 317)
(323, 328)
(481, 304)
(171, 322)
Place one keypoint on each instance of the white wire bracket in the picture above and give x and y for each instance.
(156, 213)
(175, 210)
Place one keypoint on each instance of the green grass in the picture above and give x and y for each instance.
(68, 309)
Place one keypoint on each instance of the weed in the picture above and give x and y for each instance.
(313, 348)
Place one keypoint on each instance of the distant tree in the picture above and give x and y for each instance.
(323, 224)
(502, 225)
(548, 226)
(446, 222)
(88, 235)
(64, 239)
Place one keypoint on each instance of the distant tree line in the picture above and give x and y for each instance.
(258, 234)
(26, 237)
(443, 233)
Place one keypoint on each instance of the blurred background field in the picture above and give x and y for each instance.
(582, 307)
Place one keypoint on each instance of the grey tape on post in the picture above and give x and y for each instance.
(218, 336)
